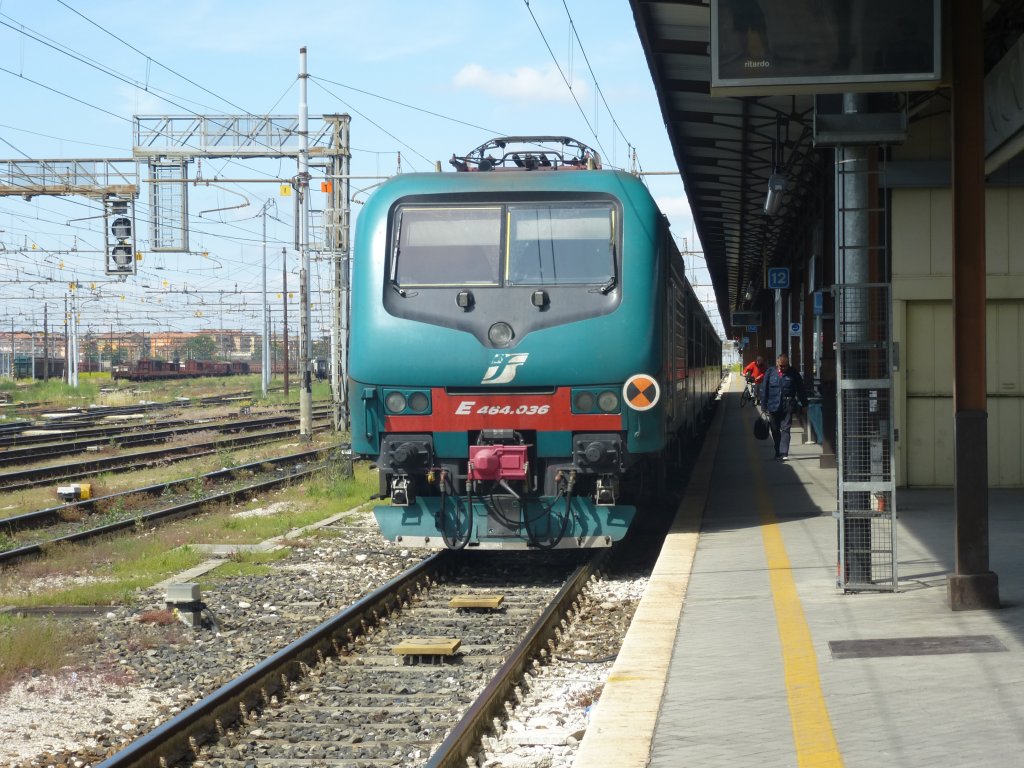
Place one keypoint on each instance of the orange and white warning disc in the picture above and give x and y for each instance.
(641, 392)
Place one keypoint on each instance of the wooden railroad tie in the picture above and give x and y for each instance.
(480, 600)
(428, 646)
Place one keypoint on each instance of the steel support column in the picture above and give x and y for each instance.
(972, 585)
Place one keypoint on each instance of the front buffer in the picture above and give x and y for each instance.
(511, 471)
(504, 521)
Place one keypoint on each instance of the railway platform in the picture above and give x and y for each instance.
(743, 652)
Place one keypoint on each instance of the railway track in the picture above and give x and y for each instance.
(50, 411)
(135, 439)
(340, 695)
(287, 469)
(77, 509)
(102, 430)
(29, 478)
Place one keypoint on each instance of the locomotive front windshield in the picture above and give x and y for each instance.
(515, 244)
(447, 246)
(557, 244)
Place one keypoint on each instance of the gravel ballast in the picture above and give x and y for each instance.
(139, 673)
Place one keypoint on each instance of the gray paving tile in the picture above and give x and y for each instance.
(725, 702)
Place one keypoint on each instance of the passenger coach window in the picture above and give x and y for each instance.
(561, 244)
(446, 246)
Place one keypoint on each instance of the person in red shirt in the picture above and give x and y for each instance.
(752, 376)
(756, 369)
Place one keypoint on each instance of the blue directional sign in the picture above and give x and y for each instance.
(778, 278)
(794, 329)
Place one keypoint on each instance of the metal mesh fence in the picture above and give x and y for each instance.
(867, 514)
(867, 546)
(865, 423)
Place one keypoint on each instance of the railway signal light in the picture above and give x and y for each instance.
(119, 222)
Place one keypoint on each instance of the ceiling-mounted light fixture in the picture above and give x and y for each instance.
(773, 201)
(777, 180)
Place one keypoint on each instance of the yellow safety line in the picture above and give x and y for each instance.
(813, 737)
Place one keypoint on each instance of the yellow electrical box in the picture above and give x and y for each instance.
(74, 492)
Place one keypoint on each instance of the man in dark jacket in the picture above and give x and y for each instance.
(782, 393)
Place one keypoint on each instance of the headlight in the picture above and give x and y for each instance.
(583, 402)
(418, 402)
(395, 402)
(608, 402)
(500, 334)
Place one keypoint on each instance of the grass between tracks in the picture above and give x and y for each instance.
(52, 391)
(35, 644)
(168, 389)
(100, 389)
(110, 571)
(31, 499)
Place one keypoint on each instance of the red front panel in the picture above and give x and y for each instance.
(464, 413)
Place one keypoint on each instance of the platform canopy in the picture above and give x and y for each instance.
(731, 149)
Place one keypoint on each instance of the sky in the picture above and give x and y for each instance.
(421, 80)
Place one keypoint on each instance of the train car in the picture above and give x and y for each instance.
(151, 370)
(321, 369)
(256, 367)
(197, 368)
(526, 354)
(147, 370)
(38, 367)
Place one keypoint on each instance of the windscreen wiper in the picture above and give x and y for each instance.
(611, 282)
(394, 262)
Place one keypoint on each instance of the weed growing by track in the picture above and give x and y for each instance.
(226, 457)
(106, 572)
(322, 495)
(39, 645)
(54, 392)
(333, 485)
(112, 570)
(245, 564)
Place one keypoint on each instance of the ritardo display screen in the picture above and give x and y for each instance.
(764, 47)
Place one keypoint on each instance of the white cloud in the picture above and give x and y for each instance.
(522, 84)
(136, 101)
(675, 207)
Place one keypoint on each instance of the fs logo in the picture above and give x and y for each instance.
(503, 367)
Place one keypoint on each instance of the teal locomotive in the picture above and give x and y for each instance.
(526, 355)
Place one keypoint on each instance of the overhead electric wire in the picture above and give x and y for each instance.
(252, 239)
(597, 87)
(144, 86)
(151, 59)
(406, 106)
(58, 138)
(65, 95)
(115, 75)
(376, 125)
(164, 95)
(5, 141)
(558, 66)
